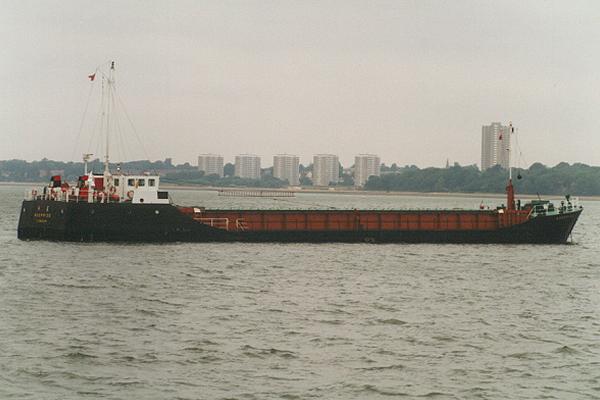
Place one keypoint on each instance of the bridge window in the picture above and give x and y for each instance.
(151, 182)
(141, 182)
(116, 182)
(131, 182)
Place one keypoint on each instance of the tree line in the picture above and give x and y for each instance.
(576, 179)
(563, 178)
(36, 171)
(199, 178)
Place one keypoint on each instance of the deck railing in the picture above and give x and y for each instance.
(221, 223)
(556, 207)
(69, 197)
(255, 193)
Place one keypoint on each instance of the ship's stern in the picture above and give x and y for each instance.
(42, 219)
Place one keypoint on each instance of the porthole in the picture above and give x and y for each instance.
(24, 210)
(156, 212)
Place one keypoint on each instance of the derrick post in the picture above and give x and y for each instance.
(510, 196)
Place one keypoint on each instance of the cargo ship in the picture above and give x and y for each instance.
(134, 210)
(117, 207)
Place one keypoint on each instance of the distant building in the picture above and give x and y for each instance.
(211, 164)
(495, 146)
(326, 169)
(247, 166)
(365, 165)
(287, 167)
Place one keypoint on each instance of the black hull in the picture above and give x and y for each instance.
(126, 222)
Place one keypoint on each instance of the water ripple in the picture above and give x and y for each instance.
(298, 321)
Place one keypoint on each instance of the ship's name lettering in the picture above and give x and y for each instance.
(42, 215)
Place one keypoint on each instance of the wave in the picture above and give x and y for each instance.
(384, 392)
(384, 368)
(251, 351)
(392, 321)
(77, 355)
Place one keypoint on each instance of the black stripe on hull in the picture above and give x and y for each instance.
(126, 222)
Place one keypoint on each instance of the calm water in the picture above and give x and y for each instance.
(299, 321)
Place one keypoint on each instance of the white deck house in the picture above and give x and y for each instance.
(140, 189)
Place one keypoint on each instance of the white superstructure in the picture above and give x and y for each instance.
(140, 189)
(106, 187)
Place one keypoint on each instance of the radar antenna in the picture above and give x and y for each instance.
(86, 158)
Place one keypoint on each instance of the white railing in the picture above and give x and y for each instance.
(221, 223)
(556, 207)
(71, 195)
(241, 224)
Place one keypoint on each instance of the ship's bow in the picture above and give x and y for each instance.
(554, 229)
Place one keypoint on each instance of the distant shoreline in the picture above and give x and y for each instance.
(343, 191)
(374, 192)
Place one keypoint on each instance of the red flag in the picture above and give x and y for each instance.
(92, 76)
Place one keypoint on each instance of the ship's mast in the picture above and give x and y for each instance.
(508, 149)
(510, 191)
(108, 98)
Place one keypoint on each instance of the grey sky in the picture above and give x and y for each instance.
(412, 81)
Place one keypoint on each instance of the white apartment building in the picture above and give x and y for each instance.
(211, 164)
(326, 169)
(495, 146)
(247, 166)
(287, 167)
(365, 165)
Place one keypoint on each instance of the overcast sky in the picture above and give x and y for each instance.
(411, 81)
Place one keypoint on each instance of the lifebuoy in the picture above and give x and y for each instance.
(130, 195)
